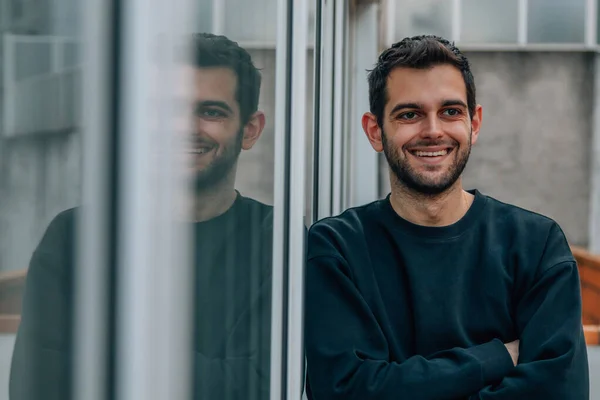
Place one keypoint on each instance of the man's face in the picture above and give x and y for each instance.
(427, 131)
(218, 134)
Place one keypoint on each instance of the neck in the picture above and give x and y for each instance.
(214, 201)
(427, 210)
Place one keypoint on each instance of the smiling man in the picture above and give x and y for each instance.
(436, 292)
(233, 242)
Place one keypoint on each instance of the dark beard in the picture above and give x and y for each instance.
(414, 182)
(220, 167)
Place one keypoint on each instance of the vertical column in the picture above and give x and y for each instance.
(591, 22)
(456, 19)
(154, 272)
(522, 26)
(340, 96)
(326, 91)
(92, 313)
(364, 166)
(594, 220)
(297, 195)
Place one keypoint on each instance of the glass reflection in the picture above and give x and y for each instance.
(233, 232)
(233, 249)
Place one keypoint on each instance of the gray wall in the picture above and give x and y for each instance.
(39, 177)
(534, 146)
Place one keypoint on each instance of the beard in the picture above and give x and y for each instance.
(421, 183)
(220, 167)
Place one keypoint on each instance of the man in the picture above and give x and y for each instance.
(436, 292)
(233, 239)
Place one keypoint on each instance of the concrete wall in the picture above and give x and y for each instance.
(534, 146)
(39, 177)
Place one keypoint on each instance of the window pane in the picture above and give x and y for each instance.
(40, 187)
(244, 23)
(417, 17)
(489, 21)
(234, 196)
(556, 21)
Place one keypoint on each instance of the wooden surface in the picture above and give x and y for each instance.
(589, 273)
(12, 285)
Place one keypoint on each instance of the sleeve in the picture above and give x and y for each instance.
(553, 354)
(244, 371)
(347, 354)
(40, 366)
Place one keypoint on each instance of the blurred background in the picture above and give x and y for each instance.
(72, 117)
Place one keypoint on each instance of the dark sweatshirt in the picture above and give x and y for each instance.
(396, 310)
(232, 307)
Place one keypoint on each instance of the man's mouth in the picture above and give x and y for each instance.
(431, 153)
(420, 153)
(200, 149)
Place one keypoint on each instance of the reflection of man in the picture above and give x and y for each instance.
(436, 292)
(233, 236)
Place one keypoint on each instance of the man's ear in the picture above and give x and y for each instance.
(373, 131)
(253, 129)
(476, 123)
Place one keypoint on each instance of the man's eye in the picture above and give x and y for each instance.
(452, 112)
(210, 113)
(408, 115)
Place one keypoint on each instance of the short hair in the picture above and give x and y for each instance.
(211, 50)
(418, 52)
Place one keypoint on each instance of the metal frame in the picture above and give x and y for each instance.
(280, 250)
(339, 106)
(590, 42)
(363, 161)
(591, 23)
(91, 285)
(154, 268)
(297, 196)
(287, 351)
(522, 22)
(594, 207)
(456, 20)
(323, 164)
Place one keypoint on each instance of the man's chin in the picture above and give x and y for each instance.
(428, 187)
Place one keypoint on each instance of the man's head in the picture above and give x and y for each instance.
(226, 89)
(424, 116)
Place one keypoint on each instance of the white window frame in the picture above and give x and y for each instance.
(54, 85)
(590, 42)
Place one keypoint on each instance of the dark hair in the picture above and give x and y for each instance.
(211, 50)
(420, 52)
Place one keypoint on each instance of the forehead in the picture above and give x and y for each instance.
(425, 86)
(211, 83)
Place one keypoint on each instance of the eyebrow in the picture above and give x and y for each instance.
(454, 102)
(214, 103)
(417, 106)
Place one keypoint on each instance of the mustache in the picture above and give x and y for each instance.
(432, 143)
(200, 141)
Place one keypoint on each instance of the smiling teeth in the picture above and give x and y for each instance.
(431, 153)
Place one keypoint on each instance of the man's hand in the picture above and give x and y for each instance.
(513, 350)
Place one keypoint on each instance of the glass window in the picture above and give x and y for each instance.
(417, 17)
(242, 21)
(556, 21)
(40, 186)
(489, 21)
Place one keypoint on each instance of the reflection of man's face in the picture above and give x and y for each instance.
(217, 136)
